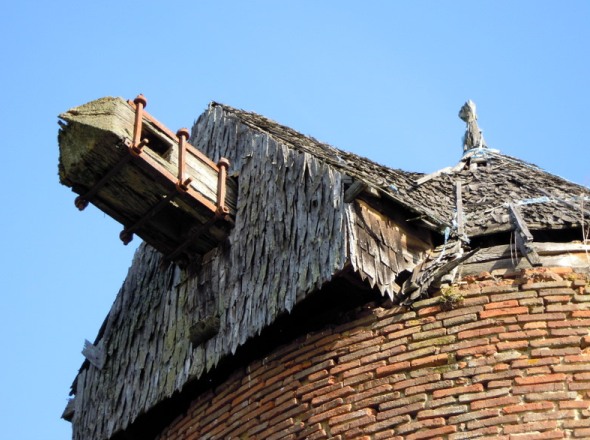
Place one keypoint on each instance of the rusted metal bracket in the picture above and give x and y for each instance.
(126, 234)
(223, 165)
(524, 238)
(182, 184)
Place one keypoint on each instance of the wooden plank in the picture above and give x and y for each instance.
(354, 190)
(523, 236)
(94, 355)
(431, 176)
(459, 208)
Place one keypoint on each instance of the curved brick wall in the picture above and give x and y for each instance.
(510, 363)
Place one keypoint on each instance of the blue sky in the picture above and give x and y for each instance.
(383, 79)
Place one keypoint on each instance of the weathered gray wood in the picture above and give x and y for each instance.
(584, 212)
(354, 190)
(459, 208)
(431, 176)
(94, 140)
(96, 356)
(524, 237)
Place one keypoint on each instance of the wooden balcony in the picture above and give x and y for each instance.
(119, 158)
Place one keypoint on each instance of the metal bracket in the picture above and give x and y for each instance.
(223, 165)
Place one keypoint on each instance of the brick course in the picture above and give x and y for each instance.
(512, 363)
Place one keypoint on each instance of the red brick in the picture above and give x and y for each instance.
(575, 308)
(557, 298)
(569, 323)
(571, 368)
(392, 368)
(501, 420)
(569, 332)
(512, 345)
(483, 395)
(530, 427)
(514, 295)
(425, 311)
(481, 332)
(493, 402)
(506, 374)
(432, 433)
(577, 358)
(430, 361)
(551, 396)
(401, 385)
(542, 352)
(503, 312)
(428, 387)
(459, 312)
(582, 433)
(526, 407)
(538, 388)
(458, 390)
(575, 404)
(421, 424)
(499, 383)
(473, 415)
(540, 379)
(539, 436)
(339, 391)
(338, 419)
(501, 304)
(406, 409)
(546, 415)
(579, 386)
(481, 350)
(363, 369)
(526, 334)
(581, 423)
(429, 334)
(405, 401)
(542, 317)
(442, 411)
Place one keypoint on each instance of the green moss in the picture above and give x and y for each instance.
(450, 298)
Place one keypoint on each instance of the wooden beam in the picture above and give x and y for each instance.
(524, 238)
(95, 355)
(138, 185)
(431, 176)
(354, 190)
(459, 207)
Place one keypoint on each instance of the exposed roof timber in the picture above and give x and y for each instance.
(524, 238)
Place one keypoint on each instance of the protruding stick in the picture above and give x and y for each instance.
(140, 103)
(182, 135)
(223, 165)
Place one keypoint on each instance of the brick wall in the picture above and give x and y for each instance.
(511, 361)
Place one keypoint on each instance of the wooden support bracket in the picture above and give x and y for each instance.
(354, 190)
(524, 238)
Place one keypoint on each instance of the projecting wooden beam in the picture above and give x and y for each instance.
(524, 238)
(121, 159)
